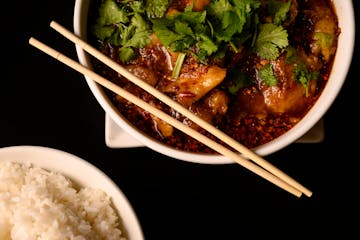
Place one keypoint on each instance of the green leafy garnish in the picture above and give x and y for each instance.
(278, 10)
(177, 68)
(325, 41)
(220, 26)
(184, 31)
(110, 14)
(291, 55)
(304, 76)
(270, 39)
(156, 8)
(207, 32)
(122, 24)
(267, 75)
(239, 80)
(229, 19)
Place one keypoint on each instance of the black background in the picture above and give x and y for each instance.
(45, 103)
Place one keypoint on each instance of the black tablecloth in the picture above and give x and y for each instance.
(45, 103)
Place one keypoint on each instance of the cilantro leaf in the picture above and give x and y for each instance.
(291, 55)
(238, 81)
(138, 40)
(126, 53)
(183, 28)
(269, 40)
(278, 10)
(267, 75)
(206, 45)
(217, 8)
(229, 17)
(163, 30)
(156, 8)
(122, 24)
(184, 31)
(110, 14)
(191, 17)
(304, 76)
(249, 5)
(324, 41)
(103, 32)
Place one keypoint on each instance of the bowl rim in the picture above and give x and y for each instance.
(57, 160)
(343, 58)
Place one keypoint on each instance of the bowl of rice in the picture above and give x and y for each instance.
(47, 193)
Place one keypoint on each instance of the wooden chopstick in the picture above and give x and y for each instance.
(279, 178)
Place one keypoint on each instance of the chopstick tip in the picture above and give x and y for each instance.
(31, 40)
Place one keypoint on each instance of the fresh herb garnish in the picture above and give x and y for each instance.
(291, 55)
(184, 31)
(278, 10)
(304, 76)
(177, 68)
(325, 41)
(270, 39)
(122, 24)
(110, 14)
(238, 80)
(229, 18)
(267, 75)
(301, 73)
(220, 26)
(156, 8)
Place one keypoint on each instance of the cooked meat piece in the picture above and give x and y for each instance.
(194, 83)
(287, 96)
(217, 102)
(316, 29)
(211, 108)
(145, 74)
(163, 128)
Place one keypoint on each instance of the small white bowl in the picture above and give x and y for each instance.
(343, 58)
(80, 172)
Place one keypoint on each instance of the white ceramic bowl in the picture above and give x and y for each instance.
(345, 12)
(82, 173)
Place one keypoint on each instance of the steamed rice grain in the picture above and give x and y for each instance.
(40, 204)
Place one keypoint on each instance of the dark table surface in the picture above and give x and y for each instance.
(45, 103)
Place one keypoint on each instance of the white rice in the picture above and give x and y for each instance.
(36, 204)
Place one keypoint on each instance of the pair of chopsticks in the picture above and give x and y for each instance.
(244, 157)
